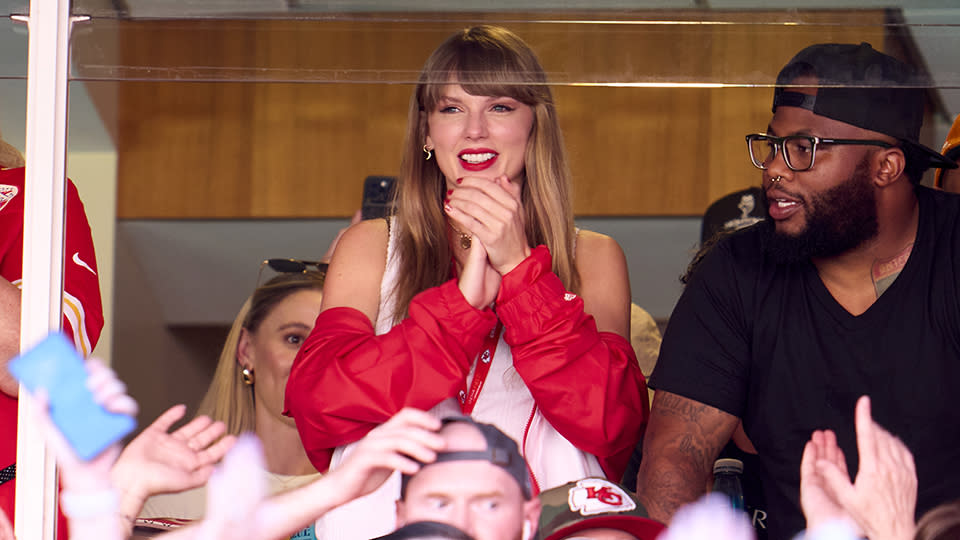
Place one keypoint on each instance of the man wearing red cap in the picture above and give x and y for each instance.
(595, 509)
(851, 287)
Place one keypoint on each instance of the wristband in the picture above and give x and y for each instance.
(88, 504)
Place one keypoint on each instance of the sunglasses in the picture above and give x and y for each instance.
(290, 266)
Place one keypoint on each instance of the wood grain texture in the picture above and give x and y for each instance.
(284, 119)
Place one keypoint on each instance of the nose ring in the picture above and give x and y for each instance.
(776, 180)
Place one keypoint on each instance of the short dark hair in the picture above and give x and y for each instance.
(426, 529)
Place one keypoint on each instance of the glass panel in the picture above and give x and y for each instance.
(278, 110)
(639, 48)
(234, 131)
(13, 75)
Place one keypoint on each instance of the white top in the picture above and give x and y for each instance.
(504, 401)
(192, 504)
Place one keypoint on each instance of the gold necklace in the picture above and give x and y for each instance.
(466, 240)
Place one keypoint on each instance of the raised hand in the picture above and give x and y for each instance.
(492, 212)
(236, 495)
(402, 443)
(410, 436)
(883, 498)
(110, 392)
(235, 492)
(160, 462)
(89, 499)
(819, 506)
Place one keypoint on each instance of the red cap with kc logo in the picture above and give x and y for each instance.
(593, 503)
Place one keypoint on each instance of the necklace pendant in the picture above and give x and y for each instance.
(465, 241)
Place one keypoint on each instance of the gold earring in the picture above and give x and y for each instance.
(428, 152)
(247, 376)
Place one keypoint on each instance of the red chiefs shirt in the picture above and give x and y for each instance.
(82, 310)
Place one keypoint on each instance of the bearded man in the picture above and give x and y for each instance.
(851, 287)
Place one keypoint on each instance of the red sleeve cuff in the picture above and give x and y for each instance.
(445, 306)
(524, 274)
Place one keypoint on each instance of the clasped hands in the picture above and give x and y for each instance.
(491, 212)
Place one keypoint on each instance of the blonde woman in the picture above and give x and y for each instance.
(479, 296)
(247, 389)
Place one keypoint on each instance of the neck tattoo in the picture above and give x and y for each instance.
(466, 240)
(885, 271)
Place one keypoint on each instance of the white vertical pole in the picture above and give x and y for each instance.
(49, 27)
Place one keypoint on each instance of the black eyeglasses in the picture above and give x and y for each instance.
(799, 151)
(291, 266)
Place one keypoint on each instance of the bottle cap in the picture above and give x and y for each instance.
(728, 465)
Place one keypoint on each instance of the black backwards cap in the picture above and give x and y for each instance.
(863, 87)
(501, 451)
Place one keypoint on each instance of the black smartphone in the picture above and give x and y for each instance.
(377, 196)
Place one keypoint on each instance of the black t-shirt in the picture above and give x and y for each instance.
(769, 344)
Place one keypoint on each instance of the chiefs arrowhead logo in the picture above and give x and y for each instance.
(593, 496)
(7, 193)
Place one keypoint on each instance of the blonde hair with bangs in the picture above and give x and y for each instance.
(228, 398)
(484, 61)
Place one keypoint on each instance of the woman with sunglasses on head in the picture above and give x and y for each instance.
(479, 296)
(246, 393)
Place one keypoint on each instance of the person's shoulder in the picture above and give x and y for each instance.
(940, 209)
(938, 197)
(746, 245)
(597, 252)
(739, 252)
(360, 254)
(15, 176)
(369, 234)
(746, 241)
(593, 244)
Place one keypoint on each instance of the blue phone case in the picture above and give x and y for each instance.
(55, 366)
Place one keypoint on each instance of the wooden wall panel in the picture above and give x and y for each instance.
(278, 149)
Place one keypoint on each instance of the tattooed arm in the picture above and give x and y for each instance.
(682, 441)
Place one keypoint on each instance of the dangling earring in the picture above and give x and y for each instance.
(247, 376)
(428, 152)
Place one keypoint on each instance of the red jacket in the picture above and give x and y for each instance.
(346, 380)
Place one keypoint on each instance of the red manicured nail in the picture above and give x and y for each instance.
(449, 192)
(459, 180)
(446, 202)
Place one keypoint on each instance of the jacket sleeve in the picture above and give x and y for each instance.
(586, 383)
(346, 380)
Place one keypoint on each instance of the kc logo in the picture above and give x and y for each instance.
(593, 496)
(7, 193)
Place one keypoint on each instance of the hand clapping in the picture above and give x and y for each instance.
(882, 499)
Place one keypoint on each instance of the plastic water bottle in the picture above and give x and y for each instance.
(307, 533)
(726, 480)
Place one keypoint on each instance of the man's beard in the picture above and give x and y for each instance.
(838, 220)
